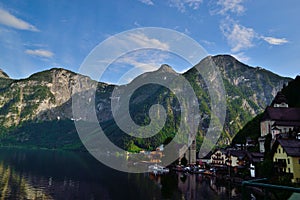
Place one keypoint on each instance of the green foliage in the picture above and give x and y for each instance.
(184, 161)
(5, 83)
(9, 106)
(49, 134)
(39, 92)
(131, 147)
(265, 168)
(41, 76)
(251, 130)
(292, 92)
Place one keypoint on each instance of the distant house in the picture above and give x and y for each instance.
(236, 158)
(278, 119)
(286, 158)
(219, 157)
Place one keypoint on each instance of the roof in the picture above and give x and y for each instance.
(279, 98)
(237, 153)
(287, 123)
(281, 114)
(255, 157)
(290, 146)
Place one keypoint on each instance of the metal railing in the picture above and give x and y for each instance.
(265, 186)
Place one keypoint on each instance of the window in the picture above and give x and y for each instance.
(278, 150)
(288, 161)
(289, 170)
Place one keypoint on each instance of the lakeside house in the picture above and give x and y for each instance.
(236, 158)
(219, 158)
(286, 158)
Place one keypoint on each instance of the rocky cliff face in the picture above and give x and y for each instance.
(42, 96)
(249, 90)
(47, 95)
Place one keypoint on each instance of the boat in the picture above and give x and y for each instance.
(157, 169)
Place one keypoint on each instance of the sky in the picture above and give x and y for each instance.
(38, 35)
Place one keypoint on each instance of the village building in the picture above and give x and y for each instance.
(278, 119)
(219, 158)
(236, 158)
(286, 158)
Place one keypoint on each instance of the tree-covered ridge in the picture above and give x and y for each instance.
(292, 92)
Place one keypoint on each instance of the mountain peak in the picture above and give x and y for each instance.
(226, 59)
(3, 74)
(166, 68)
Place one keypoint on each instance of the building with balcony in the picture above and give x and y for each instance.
(286, 158)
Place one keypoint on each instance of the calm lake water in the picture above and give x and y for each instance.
(42, 174)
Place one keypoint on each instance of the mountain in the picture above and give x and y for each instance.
(249, 90)
(46, 98)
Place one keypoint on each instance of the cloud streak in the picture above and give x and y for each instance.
(10, 20)
(40, 53)
(147, 2)
(181, 5)
(230, 6)
(275, 41)
(143, 40)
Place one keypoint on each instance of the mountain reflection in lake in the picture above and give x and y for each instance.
(37, 174)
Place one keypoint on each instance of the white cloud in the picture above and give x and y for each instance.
(275, 41)
(181, 5)
(238, 36)
(233, 6)
(143, 40)
(147, 2)
(8, 19)
(40, 53)
(140, 61)
(148, 60)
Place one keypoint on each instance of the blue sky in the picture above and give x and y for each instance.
(37, 35)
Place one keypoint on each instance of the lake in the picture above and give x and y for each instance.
(45, 174)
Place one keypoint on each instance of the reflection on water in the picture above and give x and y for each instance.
(33, 174)
(12, 184)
